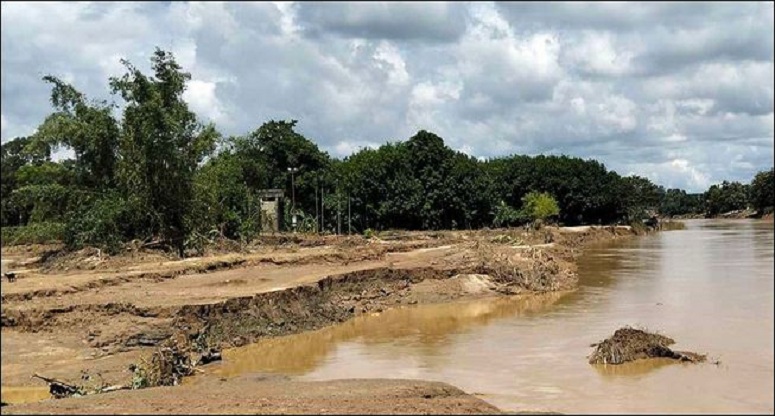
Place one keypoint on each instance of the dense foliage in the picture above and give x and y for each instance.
(762, 191)
(153, 172)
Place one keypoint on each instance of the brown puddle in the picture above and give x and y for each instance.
(23, 394)
(429, 324)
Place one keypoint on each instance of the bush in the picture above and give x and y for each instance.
(103, 223)
(539, 206)
(35, 233)
(506, 216)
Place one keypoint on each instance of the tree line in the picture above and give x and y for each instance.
(151, 170)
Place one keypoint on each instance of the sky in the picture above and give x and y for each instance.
(680, 93)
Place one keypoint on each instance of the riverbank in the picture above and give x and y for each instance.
(102, 314)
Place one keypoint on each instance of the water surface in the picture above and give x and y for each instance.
(709, 287)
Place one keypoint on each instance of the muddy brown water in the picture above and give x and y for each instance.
(709, 287)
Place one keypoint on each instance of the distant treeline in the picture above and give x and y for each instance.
(157, 173)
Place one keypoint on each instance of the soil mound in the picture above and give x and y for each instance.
(629, 344)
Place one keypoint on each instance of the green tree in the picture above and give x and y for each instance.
(161, 145)
(763, 190)
(678, 202)
(726, 197)
(539, 206)
(640, 197)
(507, 216)
(584, 190)
(267, 154)
(15, 155)
(88, 129)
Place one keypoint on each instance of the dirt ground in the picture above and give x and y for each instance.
(256, 394)
(67, 313)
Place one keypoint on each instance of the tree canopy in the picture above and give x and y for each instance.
(153, 171)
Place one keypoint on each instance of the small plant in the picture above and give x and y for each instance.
(506, 216)
(539, 207)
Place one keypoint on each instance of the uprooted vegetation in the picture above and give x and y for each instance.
(629, 344)
(176, 358)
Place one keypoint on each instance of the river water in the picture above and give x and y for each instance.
(709, 287)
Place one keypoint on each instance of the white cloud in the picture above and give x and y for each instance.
(201, 96)
(389, 59)
(346, 148)
(664, 89)
(596, 53)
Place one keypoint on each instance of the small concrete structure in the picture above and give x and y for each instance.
(272, 201)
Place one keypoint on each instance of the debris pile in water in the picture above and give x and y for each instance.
(176, 358)
(629, 344)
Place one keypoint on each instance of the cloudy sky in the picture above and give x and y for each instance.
(681, 93)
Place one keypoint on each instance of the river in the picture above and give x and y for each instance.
(710, 287)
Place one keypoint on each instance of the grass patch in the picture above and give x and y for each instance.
(669, 225)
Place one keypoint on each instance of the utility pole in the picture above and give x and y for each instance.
(293, 196)
(349, 219)
(338, 213)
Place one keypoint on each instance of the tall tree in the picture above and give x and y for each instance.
(763, 190)
(726, 197)
(161, 145)
(89, 129)
(269, 152)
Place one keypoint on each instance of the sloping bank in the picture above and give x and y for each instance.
(475, 269)
(485, 266)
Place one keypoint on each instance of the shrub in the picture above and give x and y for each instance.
(35, 233)
(539, 206)
(506, 216)
(104, 223)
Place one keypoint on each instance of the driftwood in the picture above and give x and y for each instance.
(60, 389)
(209, 356)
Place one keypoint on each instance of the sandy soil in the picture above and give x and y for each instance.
(86, 311)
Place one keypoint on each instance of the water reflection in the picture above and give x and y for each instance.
(634, 368)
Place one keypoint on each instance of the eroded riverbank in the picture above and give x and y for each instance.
(709, 286)
(106, 326)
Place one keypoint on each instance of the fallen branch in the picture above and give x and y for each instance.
(60, 389)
